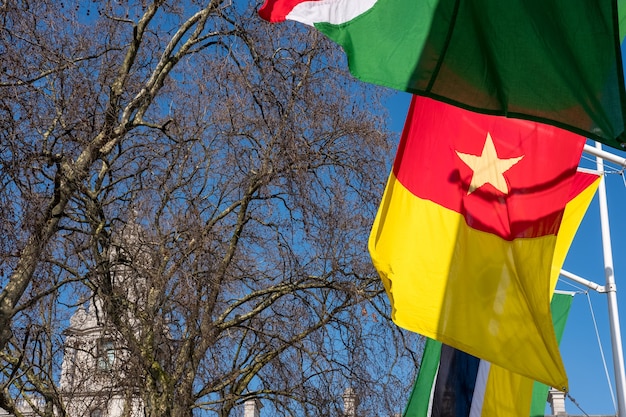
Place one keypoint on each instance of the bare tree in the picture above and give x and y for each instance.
(204, 183)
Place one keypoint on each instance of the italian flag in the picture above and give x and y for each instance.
(551, 61)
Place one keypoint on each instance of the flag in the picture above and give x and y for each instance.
(453, 383)
(466, 233)
(556, 62)
(560, 307)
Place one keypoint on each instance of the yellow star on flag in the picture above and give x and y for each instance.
(488, 168)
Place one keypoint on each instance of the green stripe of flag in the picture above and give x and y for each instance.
(556, 62)
(560, 305)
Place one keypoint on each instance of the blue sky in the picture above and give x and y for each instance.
(580, 348)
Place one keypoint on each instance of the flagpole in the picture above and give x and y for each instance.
(580, 280)
(611, 290)
(607, 156)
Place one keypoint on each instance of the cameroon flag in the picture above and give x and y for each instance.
(465, 238)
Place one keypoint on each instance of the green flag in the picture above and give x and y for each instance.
(551, 61)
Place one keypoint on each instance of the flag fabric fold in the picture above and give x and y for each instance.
(549, 61)
(560, 307)
(453, 383)
(466, 234)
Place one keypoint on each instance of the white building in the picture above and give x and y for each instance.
(92, 369)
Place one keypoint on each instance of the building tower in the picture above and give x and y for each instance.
(92, 370)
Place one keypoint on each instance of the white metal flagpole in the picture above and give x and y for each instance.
(611, 291)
